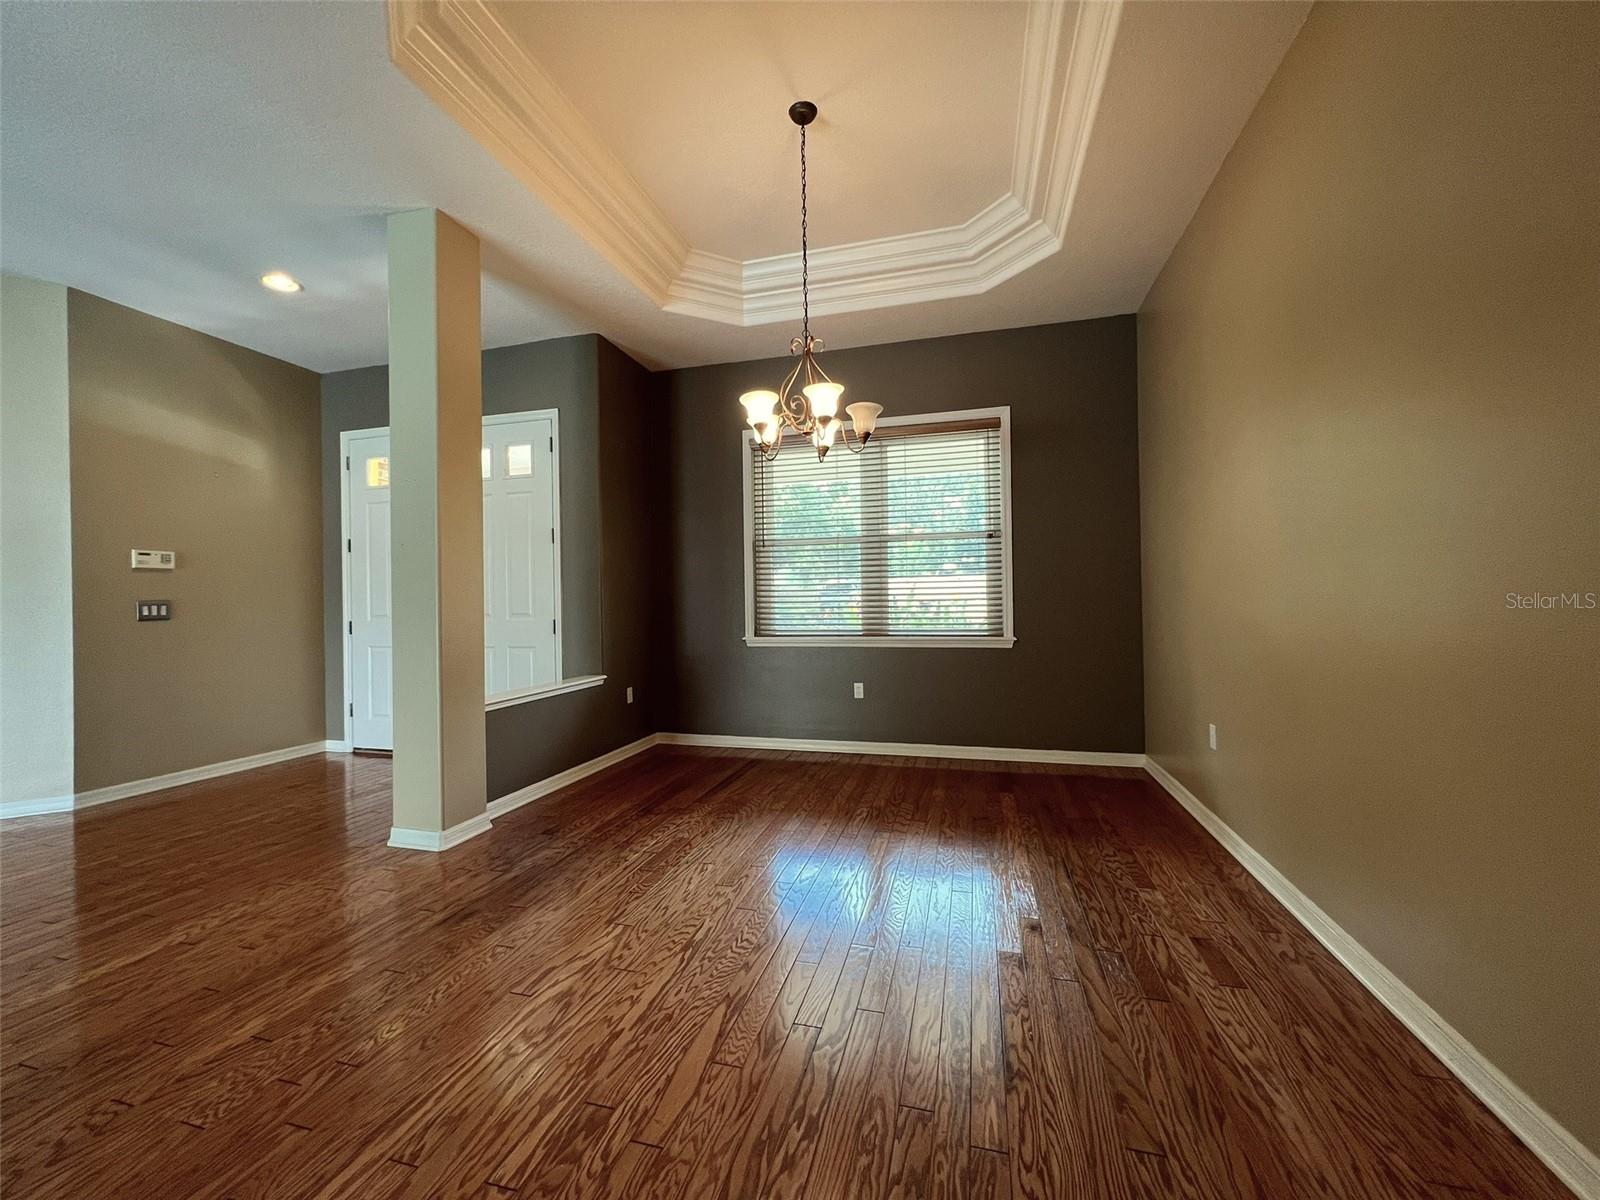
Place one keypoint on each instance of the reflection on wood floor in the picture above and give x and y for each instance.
(698, 974)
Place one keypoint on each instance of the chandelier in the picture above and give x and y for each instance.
(808, 400)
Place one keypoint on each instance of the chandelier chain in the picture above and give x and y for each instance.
(807, 402)
(805, 263)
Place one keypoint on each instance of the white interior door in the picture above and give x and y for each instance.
(371, 629)
(520, 563)
(521, 569)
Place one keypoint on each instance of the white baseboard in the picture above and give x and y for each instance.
(571, 775)
(439, 839)
(1575, 1164)
(1083, 758)
(334, 746)
(425, 839)
(43, 806)
(157, 783)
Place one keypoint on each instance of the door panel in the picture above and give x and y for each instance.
(521, 569)
(371, 630)
(520, 565)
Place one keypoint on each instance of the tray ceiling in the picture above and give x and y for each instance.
(165, 155)
(956, 132)
(692, 99)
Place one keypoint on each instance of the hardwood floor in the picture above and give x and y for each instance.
(698, 974)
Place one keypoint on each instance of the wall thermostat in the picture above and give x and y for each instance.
(154, 560)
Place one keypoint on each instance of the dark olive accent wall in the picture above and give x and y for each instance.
(600, 394)
(623, 523)
(1073, 681)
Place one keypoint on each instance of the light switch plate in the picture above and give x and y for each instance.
(153, 610)
(154, 560)
(860, 691)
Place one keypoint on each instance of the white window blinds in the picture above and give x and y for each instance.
(906, 540)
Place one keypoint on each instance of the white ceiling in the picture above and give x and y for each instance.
(693, 98)
(164, 155)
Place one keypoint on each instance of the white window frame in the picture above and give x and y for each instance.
(561, 685)
(951, 642)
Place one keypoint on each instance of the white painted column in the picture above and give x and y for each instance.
(36, 715)
(436, 514)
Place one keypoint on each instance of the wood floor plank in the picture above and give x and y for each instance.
(698, 974)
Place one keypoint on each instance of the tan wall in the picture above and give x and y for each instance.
(1370, 408)
(184, 442)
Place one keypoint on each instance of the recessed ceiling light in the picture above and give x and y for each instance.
(280, 281)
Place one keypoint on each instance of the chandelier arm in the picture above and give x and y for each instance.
(852, 444)
(791, 405)
(797, 414)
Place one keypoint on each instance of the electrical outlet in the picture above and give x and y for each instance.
(630, 695)
(860, 691)
(1213, 736)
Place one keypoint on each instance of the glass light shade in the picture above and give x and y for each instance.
(824, 398)
(759, 406)
(864, 417)
(767, 431)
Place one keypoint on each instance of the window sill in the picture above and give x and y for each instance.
(545, 690)
(902, 643)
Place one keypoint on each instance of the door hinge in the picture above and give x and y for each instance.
(552, 445)
(552, 537)
(350, 626)
(552, 624)
(352, 708)
(346, 462)
(347, 545)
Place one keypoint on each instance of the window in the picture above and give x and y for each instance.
(908, 543)
(378, 472)
(519, 460)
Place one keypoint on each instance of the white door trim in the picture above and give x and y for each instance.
(554, 417)
(346, 436)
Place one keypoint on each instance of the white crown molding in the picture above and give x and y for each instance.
(459, 53)
(1576, 1165)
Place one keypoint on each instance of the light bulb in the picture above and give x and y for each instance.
(822, 437)
(759, 406)
(824, 398)
(280, 281)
